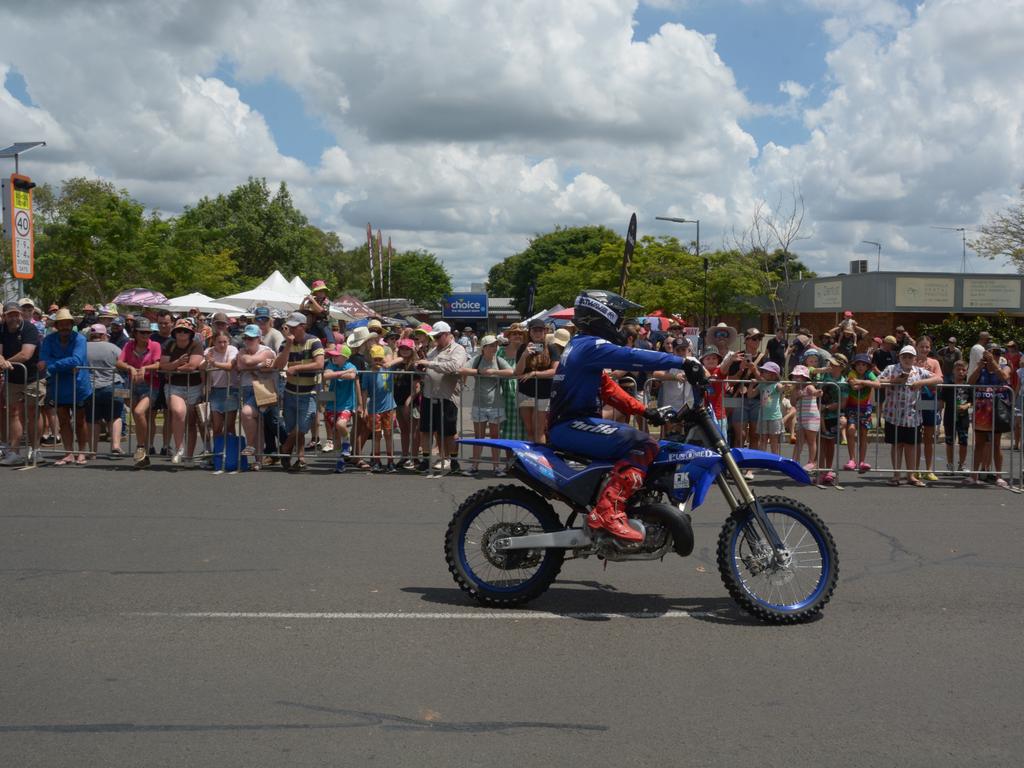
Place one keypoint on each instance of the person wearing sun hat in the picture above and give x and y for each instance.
(441, 388)
(182, 360)
(377, 406)
(711, 359)
(407, 399)
(317, 309)
(255, 363)
(862, 383)
(106, 406)
(488, 409)
(302, 359)
(903, 382)
(140, 362)
(512, 428)
(834, 390)
(64, 355)
(342, 381)
(721, 337)
(26, 389)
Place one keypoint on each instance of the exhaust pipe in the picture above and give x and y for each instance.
(678, 524)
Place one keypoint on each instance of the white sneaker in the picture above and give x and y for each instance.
(442, 465)
(176, 458)
(328, 446)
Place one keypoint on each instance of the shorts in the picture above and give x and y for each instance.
(439, 416)
(770, 427)
(383, 421)
(748, 411)
(332, 417)
(810, 423)
(859, 416)
(930, 412)
(223, 399)
(103, 406)
(192, 395)
(34, 390)
(299, 410)
(961, 434)
(895, 435)
(542, 404)
(159, 398)
(489, 415)
(141, 392)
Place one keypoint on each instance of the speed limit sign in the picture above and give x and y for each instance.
(22, 236)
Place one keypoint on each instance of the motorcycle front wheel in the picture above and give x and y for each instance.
(786, 592)
(502, 578)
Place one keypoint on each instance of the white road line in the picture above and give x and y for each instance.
(387, 616)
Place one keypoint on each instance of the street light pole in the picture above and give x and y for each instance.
(697, 222)
(879, 247)
(963, 237)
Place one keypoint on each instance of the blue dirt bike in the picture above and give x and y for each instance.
(505, 544)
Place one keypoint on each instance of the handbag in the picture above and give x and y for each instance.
(1002, 414)
(263, 393)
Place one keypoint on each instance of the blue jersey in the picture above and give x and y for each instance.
(576, 391)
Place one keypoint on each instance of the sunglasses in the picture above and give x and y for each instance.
(262, 319)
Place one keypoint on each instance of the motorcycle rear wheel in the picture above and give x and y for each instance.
(501, 579)
(778, 594)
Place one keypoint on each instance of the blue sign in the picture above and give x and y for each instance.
(464, 306)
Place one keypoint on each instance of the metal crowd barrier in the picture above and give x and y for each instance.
(407, 419)
(29, 420)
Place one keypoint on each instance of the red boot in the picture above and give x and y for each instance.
(610, 511)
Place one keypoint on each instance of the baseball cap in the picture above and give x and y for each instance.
(261, 312)
(536, 323)
(252, 331)
(406, 344)
(908, 350)
(143, 324)
(97, 329)
(488, 339)
(951, 340)
(118, 320)
(26, 302)
(861, 358)
(889, 339)
(440, 327)
(467, 329)
(295, 319)
(771, 368)
(877, 339)
(377, 352)
(12, 306)
(339, 350)
(220, 317)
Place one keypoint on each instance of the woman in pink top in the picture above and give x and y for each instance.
(140, 359)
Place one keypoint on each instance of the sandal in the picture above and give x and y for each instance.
(917, 482)
(894, 481)
(248, 451)
(81, 461)
(65, 461)
(363, 464)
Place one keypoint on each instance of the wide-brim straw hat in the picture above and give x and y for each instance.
(63, 314)
(714, 333)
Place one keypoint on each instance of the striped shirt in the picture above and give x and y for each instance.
(300, 353)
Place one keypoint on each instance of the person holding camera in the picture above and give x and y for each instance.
(536, 363)
(904, 381)
(993, 411)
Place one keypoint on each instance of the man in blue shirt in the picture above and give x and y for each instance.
(581, 386)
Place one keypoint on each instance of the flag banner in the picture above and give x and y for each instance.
(369, 245)
(391, 256)
(627, 255)
(531, 295)
(380, 263)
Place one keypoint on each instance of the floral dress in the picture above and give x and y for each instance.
(512, 427)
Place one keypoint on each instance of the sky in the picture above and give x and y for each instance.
(466, 127)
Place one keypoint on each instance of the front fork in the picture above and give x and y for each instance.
(746, 497)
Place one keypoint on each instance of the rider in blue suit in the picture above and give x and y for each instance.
(581, 386)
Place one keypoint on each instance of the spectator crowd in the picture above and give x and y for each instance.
(269, 388)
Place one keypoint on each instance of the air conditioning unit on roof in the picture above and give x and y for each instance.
(858, 266)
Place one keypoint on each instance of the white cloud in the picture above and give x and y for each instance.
(466, 127)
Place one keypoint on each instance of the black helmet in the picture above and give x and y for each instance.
(601, 313)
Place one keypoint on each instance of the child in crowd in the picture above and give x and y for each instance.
(377, 403)
(805, 398)
(956, 416)
(488, 410)
(862, 383)
(833, 396)
(340, 376)
(769, 425)
(712, 362)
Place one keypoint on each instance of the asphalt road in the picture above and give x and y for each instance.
(915, 662)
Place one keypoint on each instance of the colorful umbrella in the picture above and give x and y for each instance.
(563, 314)
(139, 297)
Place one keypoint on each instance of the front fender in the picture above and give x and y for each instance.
(751, 459)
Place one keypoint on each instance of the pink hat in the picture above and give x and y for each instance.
(772, 368)
(406, 344)
(847, 313)
(319, 285)
(800, 370)
(98, 329)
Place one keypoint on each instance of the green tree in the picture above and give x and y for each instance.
(88, 243)
(513, 276)
(260, 231)
(1003, 236)
(967, 330)
(419, 276)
